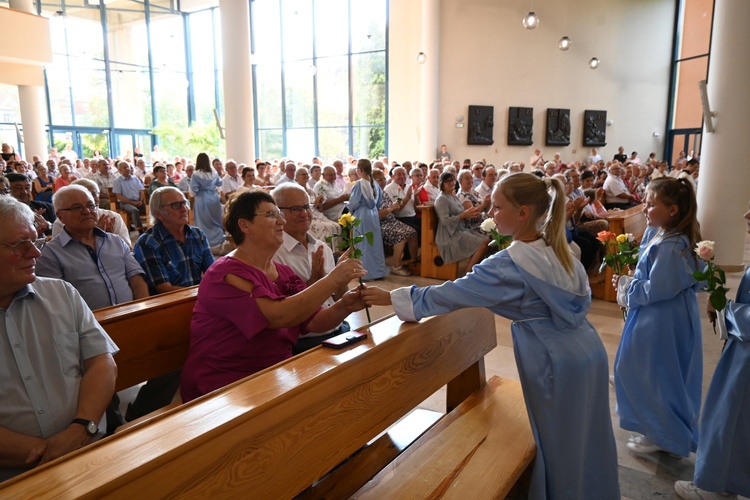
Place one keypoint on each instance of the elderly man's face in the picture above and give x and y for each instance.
(490, 176)
(169, 216)
(289, 169)
(339, 166)
(103, 167)
(21, 190)
(124, 170)
(78, 211)
(17, 270)
(434, 177)
(296, 223)
(231, 168)
(329, 175)
(399, 177)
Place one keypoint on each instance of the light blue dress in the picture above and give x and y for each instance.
(723, 461)
(363, 204)
(659, 363)
(208, 205)
(561, 362)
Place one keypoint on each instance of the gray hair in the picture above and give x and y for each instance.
(121, 163)
(62, 193)
(415, 171)
(279, 192)
(464, 173)
(155, 204)
(92, 186)
(11, 208)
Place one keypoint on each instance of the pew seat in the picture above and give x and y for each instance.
(432, 264)
(479, 450)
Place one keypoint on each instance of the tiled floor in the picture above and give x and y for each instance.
(640, 478)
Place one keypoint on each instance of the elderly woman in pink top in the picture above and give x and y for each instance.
(251, 310)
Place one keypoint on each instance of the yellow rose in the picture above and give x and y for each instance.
(346, 219)
(622, 238)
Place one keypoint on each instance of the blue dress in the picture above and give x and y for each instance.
(208, 206)
(363, 204)
(561, 362)
(723, 461)
(659, 363)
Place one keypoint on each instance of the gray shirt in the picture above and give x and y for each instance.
(99, 274)
(46, 334)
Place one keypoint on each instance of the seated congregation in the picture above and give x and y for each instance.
(273, 283)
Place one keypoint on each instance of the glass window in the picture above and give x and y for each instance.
(271, 144)
(297, 29)
(266, 25)
(10, 108)
(331, 27)
(202, 53)
(300, 142)
(368, 88)
(333, 142)
(170, 79)
(298, 92)
(268, 95)
(131, 96)
(333, 91)
(368, 25)
(369, 142)
(696, 27)
(688, 111)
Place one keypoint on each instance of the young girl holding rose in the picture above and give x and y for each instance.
(561, 361)
(659, 363)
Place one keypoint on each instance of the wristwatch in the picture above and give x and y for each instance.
(90, 425)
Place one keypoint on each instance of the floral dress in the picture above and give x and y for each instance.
(472, 223)
(394, 231)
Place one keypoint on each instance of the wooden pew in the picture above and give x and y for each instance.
(632, 221)
(432, 264)
(153, 334)
(274, 434)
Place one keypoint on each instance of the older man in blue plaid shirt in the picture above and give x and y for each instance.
(173, 253)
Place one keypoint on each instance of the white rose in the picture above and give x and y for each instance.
(487, 225)
(630, 236)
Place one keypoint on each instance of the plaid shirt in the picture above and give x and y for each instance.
(167, 260)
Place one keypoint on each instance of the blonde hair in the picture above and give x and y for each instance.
(527, 189)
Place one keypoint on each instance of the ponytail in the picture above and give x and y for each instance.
(530, 190)
(554, 224)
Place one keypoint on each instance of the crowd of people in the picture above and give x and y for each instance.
(281, 287)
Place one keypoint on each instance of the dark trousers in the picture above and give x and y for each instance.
(156, 393)
(307, 343)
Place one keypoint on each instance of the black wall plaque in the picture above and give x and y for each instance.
(520, 126)
(481, 122)
(558, 127)
(594, 128)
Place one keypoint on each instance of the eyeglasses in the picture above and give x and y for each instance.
(177, 205)
(91, 207)
(297, 209)
(79, 208)
(20, 248)
(271, 214)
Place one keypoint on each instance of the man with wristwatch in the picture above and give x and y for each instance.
(57, 374)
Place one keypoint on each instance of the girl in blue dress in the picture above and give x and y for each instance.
(722, 463)
(561, 361)
(363, 204)
(208, 210)
(659, 363)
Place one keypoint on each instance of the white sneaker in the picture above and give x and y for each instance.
(401, 271)
(689, 491)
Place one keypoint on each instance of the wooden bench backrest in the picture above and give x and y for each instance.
(153, 334)
(275, 433)
(430, 268)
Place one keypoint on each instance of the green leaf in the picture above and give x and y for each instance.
(722, 276)
(718, 300)
(369, 237)
(357, 239)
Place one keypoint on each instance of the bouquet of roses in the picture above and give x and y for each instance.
(622, 251)
(500, 241)
(347, 240)
(714, 277)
